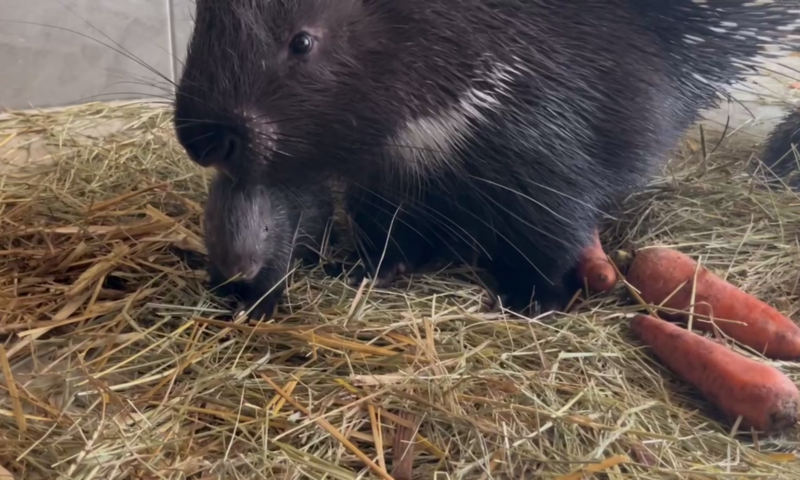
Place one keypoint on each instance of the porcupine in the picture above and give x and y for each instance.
(499, 129)
(780, 151)
(253, 233)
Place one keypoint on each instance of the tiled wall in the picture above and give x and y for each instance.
(52, 52)
(62, 60)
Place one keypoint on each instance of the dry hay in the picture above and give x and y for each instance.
(120, 370)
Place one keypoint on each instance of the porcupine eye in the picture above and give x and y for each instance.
(301, 44)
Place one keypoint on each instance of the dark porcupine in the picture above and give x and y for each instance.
(781, 152)
(496, 129)
(254, 233)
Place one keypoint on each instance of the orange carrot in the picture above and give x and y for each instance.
(766, 399)
(658, 272)
(595, 269)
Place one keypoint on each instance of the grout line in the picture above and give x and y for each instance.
(172, 48)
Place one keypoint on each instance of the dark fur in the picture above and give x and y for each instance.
(249, 227)
(780, 153)
(599, 93)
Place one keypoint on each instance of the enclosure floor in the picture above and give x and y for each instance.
(123, 366)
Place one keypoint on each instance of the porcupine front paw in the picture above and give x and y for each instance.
(385, 278)
(526, 304)
(220, 286)
(521, 290)
(389, 241)
(403, 255)
(260, 308)
(356, 271)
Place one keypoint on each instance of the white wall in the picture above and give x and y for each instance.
(47, 60)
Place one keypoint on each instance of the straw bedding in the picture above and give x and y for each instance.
(117, 363)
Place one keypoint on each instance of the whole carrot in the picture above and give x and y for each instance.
(766, 399)
(658, 272)
(595, 269)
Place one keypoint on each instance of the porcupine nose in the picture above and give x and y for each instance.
(239, 269)
(211, 137)
(249, 270)
(209, 143)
